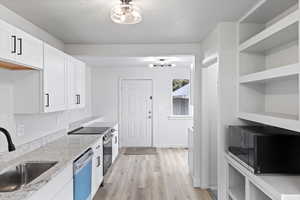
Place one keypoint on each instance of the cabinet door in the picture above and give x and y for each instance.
(29, 50)
(72, 90)
(66, 193)
(54, 80)
(8, 46)
(97, 167)
(80, 86)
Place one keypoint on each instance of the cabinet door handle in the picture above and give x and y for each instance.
(116, 140)
(79, 100)
(21, 46)
(14, 44)
(98, 161)
(47, 100)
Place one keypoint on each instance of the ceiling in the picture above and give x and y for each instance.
(179, 61)
(164, 21)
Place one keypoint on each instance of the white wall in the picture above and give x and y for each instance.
(105, 90)
(38, 125)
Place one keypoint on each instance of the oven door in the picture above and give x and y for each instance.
(107, 154)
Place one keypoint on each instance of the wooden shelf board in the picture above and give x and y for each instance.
(282, 32)
(285, 121)
(274, 73)
(282, 187)
(11, 66)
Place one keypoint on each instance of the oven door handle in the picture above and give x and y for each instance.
(107, 141)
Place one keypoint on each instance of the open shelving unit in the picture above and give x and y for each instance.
(236, 189)
(268, 91)
(269, 64)
(261, 187)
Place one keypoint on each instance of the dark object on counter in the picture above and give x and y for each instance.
(11, 146)
(264, 149)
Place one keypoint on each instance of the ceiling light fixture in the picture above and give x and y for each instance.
(161, 63)
(126, 13)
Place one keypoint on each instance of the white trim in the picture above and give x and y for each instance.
(180, 117)
(210, 60)
(120, 106)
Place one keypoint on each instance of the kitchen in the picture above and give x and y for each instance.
(135, 99)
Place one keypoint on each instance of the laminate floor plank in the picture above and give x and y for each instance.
(163, 176)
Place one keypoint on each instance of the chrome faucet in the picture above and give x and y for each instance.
(11, 146)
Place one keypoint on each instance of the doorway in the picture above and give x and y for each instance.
(136, 112)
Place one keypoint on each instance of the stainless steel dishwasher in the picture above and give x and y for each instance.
(83, 176)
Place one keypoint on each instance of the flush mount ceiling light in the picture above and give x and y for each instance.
(162, 63)
(126, 13)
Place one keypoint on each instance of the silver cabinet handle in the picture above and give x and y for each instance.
(14, 44)
(98, 161)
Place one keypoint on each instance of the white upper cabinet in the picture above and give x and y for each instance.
(29, 50)
(80, 80)
(71, 73)
(6, 37)
(76, 83)
(19, 48)
(55, 92)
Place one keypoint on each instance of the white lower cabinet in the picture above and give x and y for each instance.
(115, 146)
(66, 193)
(59, 188)
(97, 173)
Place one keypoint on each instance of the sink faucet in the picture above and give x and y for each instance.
(11, 146)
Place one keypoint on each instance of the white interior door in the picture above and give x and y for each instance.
(136, 113)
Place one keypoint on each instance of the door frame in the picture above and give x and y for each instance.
(121, 79)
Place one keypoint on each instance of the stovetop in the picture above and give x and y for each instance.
(90, 131)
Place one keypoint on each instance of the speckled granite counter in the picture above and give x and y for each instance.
(64, 150)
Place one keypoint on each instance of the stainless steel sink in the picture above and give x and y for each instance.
(15, 177)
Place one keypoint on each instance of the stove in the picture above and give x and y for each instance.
(91, 131)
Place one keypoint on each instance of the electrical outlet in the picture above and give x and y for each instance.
(20, 130)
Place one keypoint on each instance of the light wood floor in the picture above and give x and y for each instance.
(151, 177)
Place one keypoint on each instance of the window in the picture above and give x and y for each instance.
(181, 97)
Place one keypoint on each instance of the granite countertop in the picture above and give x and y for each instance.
(63, 150)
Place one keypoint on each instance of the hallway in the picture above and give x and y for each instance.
(151, 177)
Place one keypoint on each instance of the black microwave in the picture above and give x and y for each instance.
(265, 149)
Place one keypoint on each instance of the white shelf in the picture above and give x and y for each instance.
(274, 119)
(236, 193)
(279, 72)
(266, 10)
(281, 187)
(282, 32)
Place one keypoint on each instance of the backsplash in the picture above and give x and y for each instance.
(30, 146)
